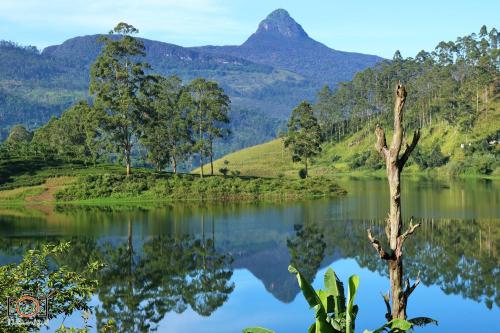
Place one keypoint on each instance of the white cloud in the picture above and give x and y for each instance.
(192, 21)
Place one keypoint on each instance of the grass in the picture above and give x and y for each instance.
(265, 160)
(15, 173)
(20, 193)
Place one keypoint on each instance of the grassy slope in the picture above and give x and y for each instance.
(271, 159)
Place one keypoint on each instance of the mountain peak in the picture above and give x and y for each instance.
(280, 23)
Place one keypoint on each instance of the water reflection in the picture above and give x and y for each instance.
(459, 256)
(138, 288)
(163, 260)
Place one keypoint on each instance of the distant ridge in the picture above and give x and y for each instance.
(272, 71)
(281, 42)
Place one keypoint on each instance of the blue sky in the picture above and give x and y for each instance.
(376, 27)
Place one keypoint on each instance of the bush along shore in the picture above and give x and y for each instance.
(35, 181)
(171, 187)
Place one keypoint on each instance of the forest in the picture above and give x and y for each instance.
(456, 84)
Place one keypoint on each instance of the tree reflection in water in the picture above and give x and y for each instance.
(307, 249)
(138, 289)
(459, 256)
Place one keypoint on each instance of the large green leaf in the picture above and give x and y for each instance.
(307, 290)
(323, 297)
(350, 312)
(257, 330)
(400, 324)
(335, 288)
(322, 324)
(422, 321)
(327, 300)
(393, 325)
(313, 299)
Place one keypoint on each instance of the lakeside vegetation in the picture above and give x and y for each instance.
(77, 182)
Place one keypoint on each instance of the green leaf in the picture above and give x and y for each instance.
(323, 297)
(395, 324)
(312, 328)
(327, 300)
(336, 325)
(336, 289)
(350, 314)
(422, 321)
(307, 290)
(257, 330)
(314, 301)
(400, 324)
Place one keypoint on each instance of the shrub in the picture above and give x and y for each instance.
(432, 159)
(374, 160)
(436, 157)
(37, 274)
(483, 163)
(335, 158)
(358, 160)
(335, 311)
(224, 171)
(303, 173)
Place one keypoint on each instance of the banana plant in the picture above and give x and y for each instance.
(333, 314)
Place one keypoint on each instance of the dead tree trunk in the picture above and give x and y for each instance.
(394, 166)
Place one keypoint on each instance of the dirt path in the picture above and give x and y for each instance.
(51, 186)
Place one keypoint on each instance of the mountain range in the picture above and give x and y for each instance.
(272, 71)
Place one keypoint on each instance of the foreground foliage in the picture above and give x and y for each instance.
(68, 291)
(336, 314)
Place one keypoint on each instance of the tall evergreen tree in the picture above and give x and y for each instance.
(167, 132)
(116, 80)
(209, 114)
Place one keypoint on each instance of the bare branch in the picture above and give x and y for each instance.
(388, 315)
(381, 144)
(397, 138)
(409, 149)
(410, 230)
(378, 247)
(409, 289)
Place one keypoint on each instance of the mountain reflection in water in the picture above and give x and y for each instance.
(163, 260)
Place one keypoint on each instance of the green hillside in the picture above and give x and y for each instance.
(271, 159)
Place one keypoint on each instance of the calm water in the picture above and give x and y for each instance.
(193, 268)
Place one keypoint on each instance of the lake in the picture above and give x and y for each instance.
(220, 268)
